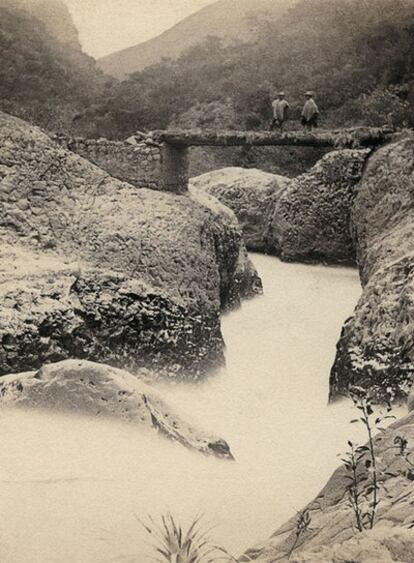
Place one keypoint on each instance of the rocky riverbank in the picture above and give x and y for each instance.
(332, 535)
(376, 348)
(93, 268)
(353, 206)
(375, 353)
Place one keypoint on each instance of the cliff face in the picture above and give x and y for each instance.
(376, 348)
(92, 267)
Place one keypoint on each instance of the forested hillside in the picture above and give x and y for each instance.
(229, 20)
(356, 54)
(44, 75)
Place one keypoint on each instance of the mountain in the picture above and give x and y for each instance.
(45, 77)
(228, 19)
(55, 15)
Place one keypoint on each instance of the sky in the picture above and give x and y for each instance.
(106, 26)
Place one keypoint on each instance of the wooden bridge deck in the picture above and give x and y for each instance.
(341, 138)
(176, 142)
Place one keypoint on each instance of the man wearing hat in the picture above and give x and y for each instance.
(280, 111)
(310, 112)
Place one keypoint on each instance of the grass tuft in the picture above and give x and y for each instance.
(172, 544)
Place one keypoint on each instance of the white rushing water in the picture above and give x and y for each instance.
(70, 486)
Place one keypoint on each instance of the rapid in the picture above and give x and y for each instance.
(72, 488)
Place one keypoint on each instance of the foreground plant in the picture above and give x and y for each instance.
(405, 453)
(362, 462)
(173, 545)
(303, 523)
(352, 460)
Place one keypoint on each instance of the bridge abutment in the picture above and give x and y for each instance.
(174, 168)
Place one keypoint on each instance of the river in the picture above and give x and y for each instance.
(71, 486)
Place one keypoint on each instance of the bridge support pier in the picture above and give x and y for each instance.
(174, 168)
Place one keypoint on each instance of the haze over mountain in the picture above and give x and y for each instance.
(45, 77)
(107, 26)
(228, 19)
(54, 14)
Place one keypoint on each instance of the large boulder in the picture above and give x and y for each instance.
(383, 211)
(311, 218)
(52, 309)
(99, 390)
(250, 193)
(306, 219)
(332, 531)
(92, 267)
(376, 348)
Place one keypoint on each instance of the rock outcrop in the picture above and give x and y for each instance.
(98, 390)
(376, 348)
(250, 194)
(332, 534)
(376, 546)
(306, 218)
(312, 216)
(91, 267)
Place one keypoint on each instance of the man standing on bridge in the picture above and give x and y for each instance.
(280, 111)
(310, 112)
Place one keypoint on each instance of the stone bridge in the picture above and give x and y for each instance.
(159, 160)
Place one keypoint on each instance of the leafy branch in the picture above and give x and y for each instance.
(361, 462)
(303, 524)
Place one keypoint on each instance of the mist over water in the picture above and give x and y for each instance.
(70, 486)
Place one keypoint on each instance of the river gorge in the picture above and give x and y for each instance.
(72, 486)
(115, 300)
(206, 314)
